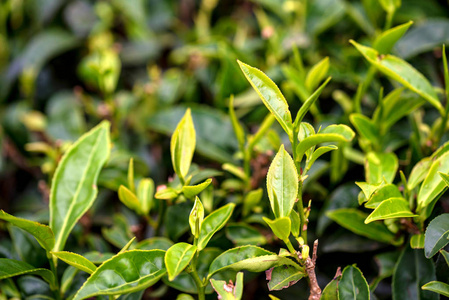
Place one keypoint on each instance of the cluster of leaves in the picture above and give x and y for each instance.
(229, 196)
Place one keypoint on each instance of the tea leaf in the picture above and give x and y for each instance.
(270, 95)
(74, 188)
(124, 273)
(365, 127)
(353, 285)
(196, 217)
(177, 258)
(229, 292)
(193, 190)
(145, 192)
(385, 41)
(166, 194)
(437, 235)
(402, 72)
(251, 200)
(76, 260)
(43, 234)
(330, 292)
(437, 287)
(295, 223)
(320, 151)
(419, 172)
(390, 209)
(251, 258)
(182, 145)
(282, 184)
(417, 241)
(317, 73)
(385, 192)
(380, 167)
(445, 178)
(354, 220)
(214, 222)
(129, 199)
(244, 234)
(238, 130)
(10, 268)
(281, 227)
(282, 277)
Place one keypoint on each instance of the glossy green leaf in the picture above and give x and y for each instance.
(402, 72)
(184, 297)
(166, 193)
(380, 167)
(386, 191)
(417, 241)
(282, 184)
(270, 95)
(332, 133)
(127, 246)
(238, 130)
(196, 217)
(251, 258)
(76, 260)
(126, 272)
(437, 235)
(353, 285)
(437, 287)
(281, 227)
(320, 151)
(412, 271)
(42, 233)
(369, 189)
(251, 200)
(317, 73)
(10, 268)
(391, 208)
(153, 243)
(243, 234)
(145, 192)
(237, 171)
(282, 277)
(433, 184)
(354, 220)
(365, 127)
(182, 145)
(193, 190)
(229, 291)
(177, 258)
(308, 103)
(295, 223)
(131, 185)
(330, 292)
(214, 222)
(74, 188)
(386, 41)
(129, 199)
(419, 172)
(445, 178)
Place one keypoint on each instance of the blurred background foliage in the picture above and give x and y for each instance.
(66, 65)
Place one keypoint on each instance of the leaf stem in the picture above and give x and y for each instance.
(199, 284)
(56, 290)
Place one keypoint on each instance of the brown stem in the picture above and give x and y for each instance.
(315, 291)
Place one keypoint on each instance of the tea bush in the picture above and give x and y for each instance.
(152, 139)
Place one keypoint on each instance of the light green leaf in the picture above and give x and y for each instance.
(196, 217)
(214, 222)
(182, 145)
(129, 199)
(177, 258)
(10, 268)
(282, 277)
(445, 178)
(281, 227)
(251, 200)
(354, 220)
(433, 185)
(369, 189)
(353, 285)
(417, 241)
(166, 194)
(251, 258)
(317, 74)
(403, 72)
(391, 208)
(419, 172)
(390, 5)
(437, 287)
(332, 133)
(320, 151)
(145, 192)
(229, 291)
(380, 167)
(131, 185)
(295, 223)
(74, 185)
(76, 260)
(365, 127)
(282, 184)
(270, 95)
(385, 41)
(437, 235)
(308, 103)
(237, 171)
(127, 246)
(384, 192)
(42, 233)
(127, 272)
(238, 130)
(193, 190)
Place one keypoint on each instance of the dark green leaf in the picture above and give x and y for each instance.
(437, 235)
(10, 268)
(353, 285)
(282, 277)
(437, 287)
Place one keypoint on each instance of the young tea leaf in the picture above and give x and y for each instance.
(437, 287)
(182, 145)
(281, 227)
(214, 222)
(391, 208)
(317, 74)
(380, 167)
(385, 41)
(177, 258)
(76, 260)
(229, 291)
(191, 191)
(282, 184)
(384, 192)
(129, 199)
(145, 192)
(74, 185)
(196, 217)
